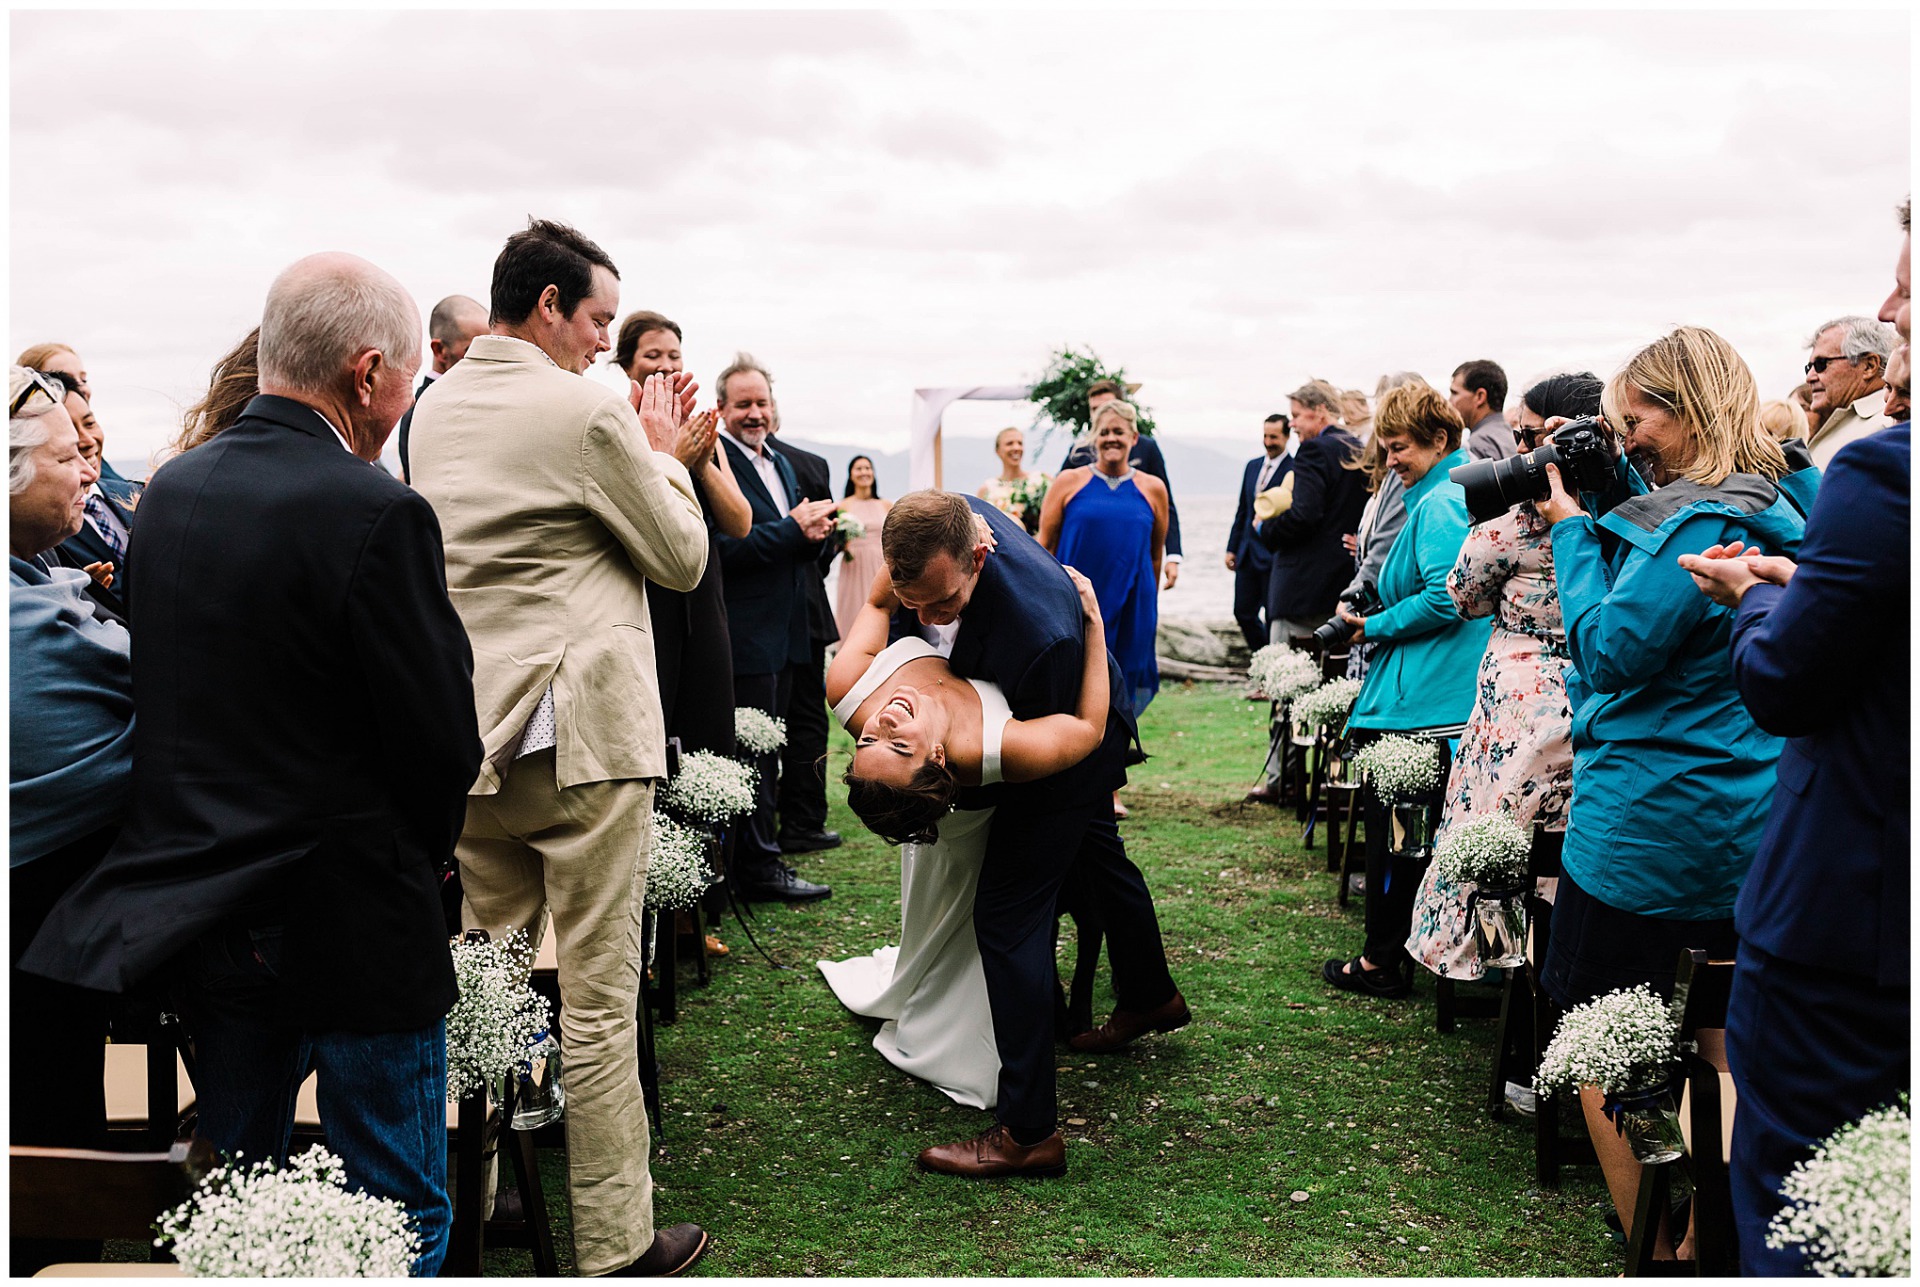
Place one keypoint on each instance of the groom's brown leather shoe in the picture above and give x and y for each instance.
(1125, 1025)
(997, 1153)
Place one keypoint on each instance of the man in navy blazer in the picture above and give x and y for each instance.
(1818, 1023)
(957, 559)
(767, 572)
(1310, 565)
(1249, 560)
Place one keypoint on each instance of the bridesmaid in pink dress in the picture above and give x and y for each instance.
(860, 559)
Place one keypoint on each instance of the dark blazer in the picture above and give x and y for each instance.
(1146, 457)
(1310, 565)
(406, 428)
(816, 483)
(306, 733)
(767, 572)
(1248, 552)
(1826, 662)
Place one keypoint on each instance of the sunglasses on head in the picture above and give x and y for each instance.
(37, 383)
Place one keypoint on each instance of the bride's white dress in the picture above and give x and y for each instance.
(930, 989)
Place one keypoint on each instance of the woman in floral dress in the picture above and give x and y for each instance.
(1516, 755)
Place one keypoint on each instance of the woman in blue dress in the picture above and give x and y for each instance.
(1109, 520)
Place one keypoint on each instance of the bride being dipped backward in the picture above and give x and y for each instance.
(922, 733)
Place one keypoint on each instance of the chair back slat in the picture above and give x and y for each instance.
(87, 1193)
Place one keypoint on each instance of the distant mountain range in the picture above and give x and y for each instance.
(1206, 467)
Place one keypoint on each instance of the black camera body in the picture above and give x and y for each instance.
(1580, 448)
(1339, 631)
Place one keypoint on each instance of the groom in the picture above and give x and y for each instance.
(1003, 610)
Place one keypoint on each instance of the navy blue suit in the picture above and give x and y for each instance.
(1310, 565)
(1022, 629)
(1147, 458)
(1818, 1020)
(1253, 562)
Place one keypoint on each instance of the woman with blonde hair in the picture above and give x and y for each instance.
(1785, 419)
(233, 383)
(1014, 491)
(1671, 776)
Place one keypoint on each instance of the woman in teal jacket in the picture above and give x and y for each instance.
(1421, 679)
(1671, 777)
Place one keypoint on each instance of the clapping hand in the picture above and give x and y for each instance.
(814, 517)
(1724, 573)
(697, 437)
(1089, 602)
(102, 574)
(664, 402)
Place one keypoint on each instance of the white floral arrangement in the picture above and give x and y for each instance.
(1618, 1042)
(1329, 704)
(1281, 671)
(297, 1221)
(1489, 852)
(1402, 768)
(677, 872)
(849, 527)
(757, 731)
(1848, 1204)
(497, 1016)
(710, 788)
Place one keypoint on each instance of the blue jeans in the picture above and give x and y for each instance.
(382, 1095)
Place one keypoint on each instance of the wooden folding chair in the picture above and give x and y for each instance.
(149, 1073)
(86, 1195)
(1552, 1149)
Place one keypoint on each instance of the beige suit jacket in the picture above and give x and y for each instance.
(1849, 424)
(556, 511)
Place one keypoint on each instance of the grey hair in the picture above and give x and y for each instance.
(27, 431)
(742, 363)
(1318, 393)
(1394, 379)
(320, 315)
(1864, 335)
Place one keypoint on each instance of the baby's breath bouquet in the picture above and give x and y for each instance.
(1402, 768)
(497, 1016)
(1329, 704)
(677, 872)
(297, 1221)
(1848, 1203)
(709, 788)
(1282, 671)
(1621, 1042)
(1489, 852)
(757, 731)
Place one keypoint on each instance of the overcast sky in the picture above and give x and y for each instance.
(1227, 203)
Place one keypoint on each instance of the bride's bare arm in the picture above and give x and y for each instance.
(866, 638)
(1039, 748)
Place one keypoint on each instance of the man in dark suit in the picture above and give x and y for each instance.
(802, 802)
(767, 573)
(1310, 565)
(1016, 621)
(451, 327)
(302, 757)
(1146, 457)
(1249, 560)
(99, 548)
(1819, 1028)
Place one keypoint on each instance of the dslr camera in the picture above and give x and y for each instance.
(1338, 632)
(1579, 447)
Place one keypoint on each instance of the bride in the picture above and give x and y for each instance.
(920, 734)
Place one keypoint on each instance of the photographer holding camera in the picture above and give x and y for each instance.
(1421, 679)
(1671, 775)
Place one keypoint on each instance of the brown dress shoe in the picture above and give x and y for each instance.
(674, 1251)
(1262, 795)
(996, 1153)
(1125, 1025)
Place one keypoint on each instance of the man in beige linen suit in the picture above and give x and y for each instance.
(557, 503)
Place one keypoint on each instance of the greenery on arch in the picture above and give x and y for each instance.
(1061, 392)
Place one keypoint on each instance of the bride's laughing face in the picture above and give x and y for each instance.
(909, 730)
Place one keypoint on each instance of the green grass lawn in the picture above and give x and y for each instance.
(792, 1140)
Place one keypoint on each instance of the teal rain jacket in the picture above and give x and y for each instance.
(1671, 777)
(1428, 664)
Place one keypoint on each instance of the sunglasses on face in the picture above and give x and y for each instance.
(1822, 363)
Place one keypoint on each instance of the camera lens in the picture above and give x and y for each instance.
(1495, 486)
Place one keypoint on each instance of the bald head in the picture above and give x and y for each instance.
(451, 326)
(324, 312)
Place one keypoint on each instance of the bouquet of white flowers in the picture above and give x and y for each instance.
(849, 527)
(1328, 704)
(1281, 671)
(1621, 1042)
(1402, 768)
(497, 1016)
(710, 788)
(300, 1221)
(1848, 1203)
(1489, 851)
(757, 731)
(677, 872)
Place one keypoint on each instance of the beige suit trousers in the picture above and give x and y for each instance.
(581, 853)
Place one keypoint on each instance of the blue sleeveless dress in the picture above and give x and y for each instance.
(1106, 532)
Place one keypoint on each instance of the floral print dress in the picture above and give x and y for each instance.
(1516, 754)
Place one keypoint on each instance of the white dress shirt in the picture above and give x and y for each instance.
(762, 461)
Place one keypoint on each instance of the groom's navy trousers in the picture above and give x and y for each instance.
(1023, 630)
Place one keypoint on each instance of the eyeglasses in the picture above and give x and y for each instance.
(37, 383)
(1822, 363)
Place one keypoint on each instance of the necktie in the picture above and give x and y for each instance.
(103, 522)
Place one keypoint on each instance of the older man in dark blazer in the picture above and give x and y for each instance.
(1310, 564)
(305, 740)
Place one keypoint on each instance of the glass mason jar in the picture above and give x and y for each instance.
(1411, 833)
(542, 1098)
(1500, 925)
(1646, 1116)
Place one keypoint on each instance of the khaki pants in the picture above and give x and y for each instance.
(582, 854)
